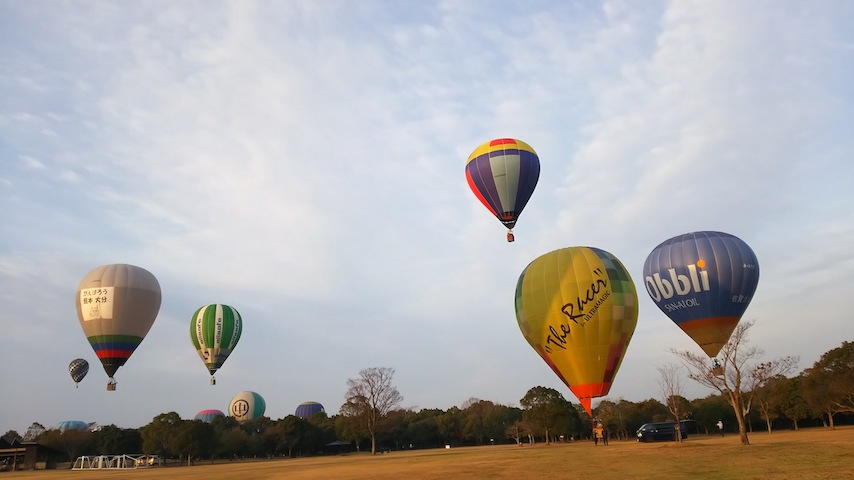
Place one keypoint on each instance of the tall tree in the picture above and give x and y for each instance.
(548, 409)
(790, 401)
(741, 374)
(828, 385)
(766, 399)
(670, 383)
(158, 436)
(374, 395)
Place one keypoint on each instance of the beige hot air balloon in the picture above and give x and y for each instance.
(116, 306)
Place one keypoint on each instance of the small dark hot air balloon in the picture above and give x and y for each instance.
(78, 368)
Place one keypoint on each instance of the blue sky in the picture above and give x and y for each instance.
(304, 163)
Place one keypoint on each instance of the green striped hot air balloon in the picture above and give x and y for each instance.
(215, 330)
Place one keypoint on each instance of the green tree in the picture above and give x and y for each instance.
(351, 424)
(375, 395)
(790, 401)
(828, 385)
(194, 439)
(548, 409)
(157, 436)
(111, 439)
(71, 442)
(475, 412)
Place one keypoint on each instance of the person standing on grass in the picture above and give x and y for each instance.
(597, 434)
(721, 427)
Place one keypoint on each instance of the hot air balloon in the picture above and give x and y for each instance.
(78, 368)
(503, 173)
(116, 306)
(208, 416)
(307, 409)
(215, 331)
(246, 406)
(72, 425)
(578, 308)
(703, 281)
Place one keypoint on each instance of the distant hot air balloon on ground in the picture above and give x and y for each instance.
(577, 307)
(72, 425)
(503, 173)
(215, 330)
(208, 416)
(307, 409)
(78, 368)
(703, 281)
(246, 406)
(116, 306)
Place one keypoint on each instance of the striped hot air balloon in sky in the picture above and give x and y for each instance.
(503, 173)
(116, 306)
(578, 308)
(215, 330)
(703, 281)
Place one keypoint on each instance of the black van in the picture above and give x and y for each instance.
(665, 431)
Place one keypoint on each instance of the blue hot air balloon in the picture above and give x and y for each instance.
(307, 409)
(704, 282)
(72, 425)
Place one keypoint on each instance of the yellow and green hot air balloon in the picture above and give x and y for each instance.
(578, 308)
(215, 330)
(117, 305)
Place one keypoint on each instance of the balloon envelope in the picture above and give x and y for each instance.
(72, 425)
(577, 307)
(246, 406)
(116, 306)
(215, 330)
(208, 416)
(704, 282)
(307, 409)
(503, 173)
(78, 368)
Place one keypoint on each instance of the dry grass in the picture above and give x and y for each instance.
(805, 455)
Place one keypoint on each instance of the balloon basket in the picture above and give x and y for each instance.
(718, 371)
(213, 381)
(111, 387)
(510, 237)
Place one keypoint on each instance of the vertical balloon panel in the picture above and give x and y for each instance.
(577, 307)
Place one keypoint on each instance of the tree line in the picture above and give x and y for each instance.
(371, 419)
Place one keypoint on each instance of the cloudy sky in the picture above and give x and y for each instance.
(303, 161)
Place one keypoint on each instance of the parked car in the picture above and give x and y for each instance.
(660, 431)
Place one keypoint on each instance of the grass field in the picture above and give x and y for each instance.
(806, 454)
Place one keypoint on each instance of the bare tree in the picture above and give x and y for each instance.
(741, 374)
(373, 395)
(670, 382)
